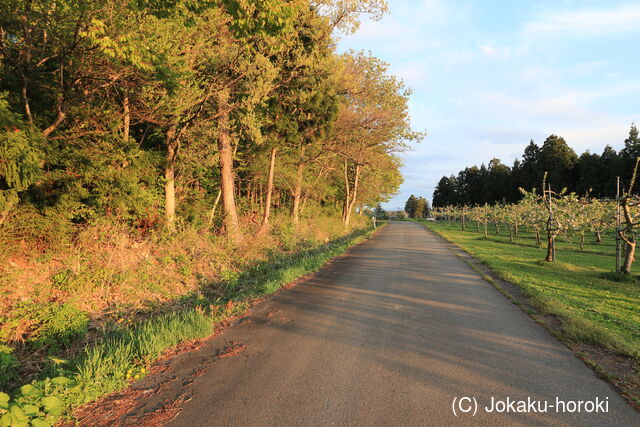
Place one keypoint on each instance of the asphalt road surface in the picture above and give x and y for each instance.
(389, 335)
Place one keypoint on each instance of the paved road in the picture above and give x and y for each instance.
(389, 335)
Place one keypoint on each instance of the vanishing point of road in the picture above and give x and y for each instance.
(390, 334)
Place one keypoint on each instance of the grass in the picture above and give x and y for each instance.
(594, 304)
(125, 352)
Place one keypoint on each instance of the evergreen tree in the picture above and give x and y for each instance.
(19, 158)
(559, 161)
(445, 192)
(529, 174)
(410, 207)
(632, 143)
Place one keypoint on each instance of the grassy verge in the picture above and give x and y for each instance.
(125, 353)
(593, 305)
(579, 299)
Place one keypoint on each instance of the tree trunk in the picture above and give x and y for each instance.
(347, 191)
(354, 194)
(267, 204)
(478, 226)
(581, 242)
(297, 191)
(551, 248)
(169, 179)
(485, 230)
(630, 246)
(231, 223)
(598, 237)
(538, 241)
(213, 209)
(25, 98)
(60, 116)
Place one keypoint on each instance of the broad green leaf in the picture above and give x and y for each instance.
(60, 381)
(20, 423)
(37, 422)
(52, 405)
(5, 420)
(18, 414)
(28, 390)
(4, 397)
(31, 410)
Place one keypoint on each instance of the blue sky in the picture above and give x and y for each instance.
(487, 76)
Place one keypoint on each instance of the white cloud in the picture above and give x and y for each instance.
(586, 22)
(496, 52)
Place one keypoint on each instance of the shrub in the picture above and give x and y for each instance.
(8, 365)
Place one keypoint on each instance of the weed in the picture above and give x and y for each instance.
(125, 352)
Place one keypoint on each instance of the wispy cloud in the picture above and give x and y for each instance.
(624, 18)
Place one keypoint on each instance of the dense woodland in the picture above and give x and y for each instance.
(158, 114)
(590, 173)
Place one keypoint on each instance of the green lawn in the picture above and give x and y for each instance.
(593, 305)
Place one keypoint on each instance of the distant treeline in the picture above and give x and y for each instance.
(595, 174)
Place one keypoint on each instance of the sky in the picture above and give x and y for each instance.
(488, 76)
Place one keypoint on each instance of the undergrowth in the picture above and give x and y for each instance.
(122, 351)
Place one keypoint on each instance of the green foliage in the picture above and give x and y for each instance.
(417, 207)
(51, 325)
(125, 353)
(109, 365)
(8, 365)
(38, 404)
(19, 157)
(590, 173)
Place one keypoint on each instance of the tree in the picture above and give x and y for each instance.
(303, 105)
(496, 185)
(372, 122)
(533, 212)
(629, 204)
(19, 158)
(529, 174)
(422, 208)
(559, 160)
(410, 206)
(632, 143)
(559, 208)
(445, 193)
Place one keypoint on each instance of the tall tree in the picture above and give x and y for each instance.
(410, 206)
(559, 160)
(372, 121)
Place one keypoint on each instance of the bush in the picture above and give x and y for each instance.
(8, 365)
(53, 325)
